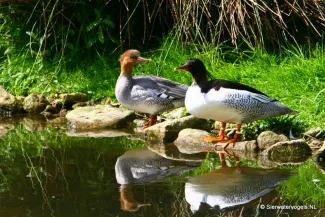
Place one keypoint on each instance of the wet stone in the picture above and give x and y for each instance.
(9, 103)
(319, 156)
(99, 116)
(265, 161)
(268, 138)
(35, 103)
(99, 133)
(168, 130)
(191, 141)
(287, 151)
(69, 99)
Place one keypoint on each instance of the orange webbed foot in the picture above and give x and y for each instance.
(213, 139)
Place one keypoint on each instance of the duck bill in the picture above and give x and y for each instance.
(185, 67)
(141, 59)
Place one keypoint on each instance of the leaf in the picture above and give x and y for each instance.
(92, 25)
(101, 35)
(69, 45)
(108, 22)
(97, 14)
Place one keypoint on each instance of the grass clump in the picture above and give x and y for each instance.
(305, 187)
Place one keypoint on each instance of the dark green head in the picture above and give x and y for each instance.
(197, 69)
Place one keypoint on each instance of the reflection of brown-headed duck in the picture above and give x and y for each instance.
(140, 166)
(227, 101)
(231, 186)
(146, 93)
(128, 202)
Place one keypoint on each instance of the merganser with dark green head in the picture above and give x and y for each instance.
(227, 101)
(146, 93)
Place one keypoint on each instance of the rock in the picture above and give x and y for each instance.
(99, 116)
(68, 99)
(51, 109)
(190, 141)
(268, 138)
(316, 132)
(168, 130)
(10, 103)
(57, 103)
(315, 144)
(264, 161)
(99, 133)
(4, 128)
(287, 151)
(80, 104)
(35, 103)
(319, 156)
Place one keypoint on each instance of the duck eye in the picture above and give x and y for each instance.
(134, 57)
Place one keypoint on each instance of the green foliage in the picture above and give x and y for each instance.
(306, 187)
(23, 151)
(295, 78)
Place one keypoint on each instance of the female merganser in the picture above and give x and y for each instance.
(146, 93)
(227, 101)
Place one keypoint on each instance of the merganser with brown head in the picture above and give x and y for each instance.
(146, 93)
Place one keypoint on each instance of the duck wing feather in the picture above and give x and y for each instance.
(217, 84)
(160, 87)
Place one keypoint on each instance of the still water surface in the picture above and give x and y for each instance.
(45, 171)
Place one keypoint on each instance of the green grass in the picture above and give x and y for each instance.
(307, 186)
(296, 78)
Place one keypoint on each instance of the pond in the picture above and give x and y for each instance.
(47, 171)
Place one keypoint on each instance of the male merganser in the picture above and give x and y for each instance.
(227, 101)
(146, 93)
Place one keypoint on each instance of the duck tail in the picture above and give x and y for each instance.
(292, 112)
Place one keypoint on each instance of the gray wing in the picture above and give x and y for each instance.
(160, 87)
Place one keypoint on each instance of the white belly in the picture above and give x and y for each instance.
(210, 106)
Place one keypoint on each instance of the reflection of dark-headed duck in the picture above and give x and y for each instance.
(227, 101)
(145, 93)
(231, 186)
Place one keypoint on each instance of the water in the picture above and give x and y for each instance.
(45, 171)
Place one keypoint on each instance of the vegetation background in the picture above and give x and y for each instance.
(61, 46)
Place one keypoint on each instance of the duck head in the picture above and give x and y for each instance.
(128, 59)
(197, 69)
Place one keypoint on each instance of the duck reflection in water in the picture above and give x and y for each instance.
(230, 186)
(141, 166)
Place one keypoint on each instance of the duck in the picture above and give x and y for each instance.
(146, 93)
(227, 102)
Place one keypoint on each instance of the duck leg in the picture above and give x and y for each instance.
(152, 121)
(236, 136)
(220, 137)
